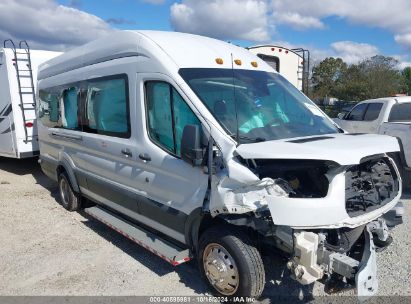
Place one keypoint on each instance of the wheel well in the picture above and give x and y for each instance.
(60, 169)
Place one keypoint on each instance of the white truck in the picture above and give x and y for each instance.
(387, 116)
(18, 79)
(293, 64)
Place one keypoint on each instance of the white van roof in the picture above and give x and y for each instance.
(184, 50)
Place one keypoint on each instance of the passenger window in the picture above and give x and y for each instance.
(167, 115)
(182, 116)
(400, 112)
(373, 111)
(107, 109)
(357, 114)
(49, 108)
(69, 117)
(160, 123)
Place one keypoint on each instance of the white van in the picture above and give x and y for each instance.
(18, 79)
(196, 148)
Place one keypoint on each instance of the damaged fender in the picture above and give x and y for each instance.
(231, 196)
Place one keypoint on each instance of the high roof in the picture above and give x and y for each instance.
(184, 50)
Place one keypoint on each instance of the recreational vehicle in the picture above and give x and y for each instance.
(293, 64)
(18, 77)
(197, 149)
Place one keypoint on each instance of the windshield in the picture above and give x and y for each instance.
(256, 105)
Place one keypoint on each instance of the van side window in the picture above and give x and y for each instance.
(49, 108)
(69, 109)
(167, 115)
(107, 107)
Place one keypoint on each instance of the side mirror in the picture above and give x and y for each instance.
(341, 116)
(191, 151)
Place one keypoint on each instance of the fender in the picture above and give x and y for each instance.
(67, 163)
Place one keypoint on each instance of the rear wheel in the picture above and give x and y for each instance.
(69, 199)
(230, 263)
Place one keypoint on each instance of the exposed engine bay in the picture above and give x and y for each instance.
(327, 218)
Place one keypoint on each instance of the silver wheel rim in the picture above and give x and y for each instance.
(220, 269)
(64, 191)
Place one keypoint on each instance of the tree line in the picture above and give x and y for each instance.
(375, 77)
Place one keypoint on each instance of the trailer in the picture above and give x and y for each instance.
(293, 64)
(18, 78)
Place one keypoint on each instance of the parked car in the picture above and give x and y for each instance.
(196, 148)
(388, 116)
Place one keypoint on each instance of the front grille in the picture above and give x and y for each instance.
(369, 186)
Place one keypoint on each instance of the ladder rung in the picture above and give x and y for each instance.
(26, 92)
(22, 59)
(24, 76)
(24, 70)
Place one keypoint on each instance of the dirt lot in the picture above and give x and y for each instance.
(46, 250)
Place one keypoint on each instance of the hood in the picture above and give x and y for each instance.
(344, 149)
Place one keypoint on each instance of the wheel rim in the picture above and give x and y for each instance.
(220, 269)
(64, 191)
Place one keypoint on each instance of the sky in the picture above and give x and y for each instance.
(351, 29)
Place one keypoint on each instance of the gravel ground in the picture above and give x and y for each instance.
(46, 250)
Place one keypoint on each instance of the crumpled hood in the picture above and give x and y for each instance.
(344, 149)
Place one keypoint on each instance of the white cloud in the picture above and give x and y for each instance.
(393, 15)
(404, 39)
(48, 25)
(297, 21)
(353, 52)
(224, 19)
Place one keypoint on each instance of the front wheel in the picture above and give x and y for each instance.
(230, 263)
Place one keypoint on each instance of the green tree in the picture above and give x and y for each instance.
(375, 77)
(325, 77)
(406, 74)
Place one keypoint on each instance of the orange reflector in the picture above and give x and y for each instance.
(237, 62)
(219, 61)
(254, 64)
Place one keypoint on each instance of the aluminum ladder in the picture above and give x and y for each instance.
(24, 72)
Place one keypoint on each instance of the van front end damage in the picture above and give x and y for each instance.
(328, 218)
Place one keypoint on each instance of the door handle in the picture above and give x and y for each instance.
(127, 153)
(145, 157)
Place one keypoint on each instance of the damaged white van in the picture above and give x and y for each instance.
(196, 148)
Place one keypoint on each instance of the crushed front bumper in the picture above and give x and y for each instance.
(366, 278)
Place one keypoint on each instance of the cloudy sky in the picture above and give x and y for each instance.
(351, 29)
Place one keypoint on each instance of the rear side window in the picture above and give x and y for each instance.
(357, 114)
(107, 109)
(69, 111)
(400, 112)
(49, 108)
(167, 115)
(373, 111)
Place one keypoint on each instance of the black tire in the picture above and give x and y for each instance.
(251, 273)
(69, 199)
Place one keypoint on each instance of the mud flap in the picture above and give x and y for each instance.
(366, 278)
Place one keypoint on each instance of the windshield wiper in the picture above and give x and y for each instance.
(250, 139)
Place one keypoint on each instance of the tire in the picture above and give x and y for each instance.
(69, 199)
(235, 252)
